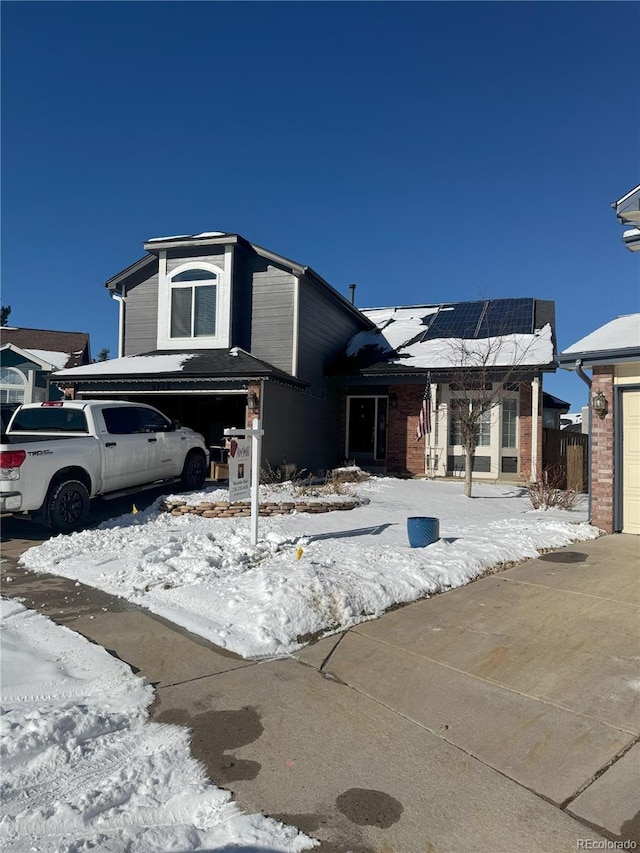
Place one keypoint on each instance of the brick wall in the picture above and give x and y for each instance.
(253, 413)
(404, 453)
(526, 430)
(602, 484)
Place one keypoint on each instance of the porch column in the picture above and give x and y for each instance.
(535, 431)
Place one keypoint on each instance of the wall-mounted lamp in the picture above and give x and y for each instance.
(393, 399)
(252, 400)
(599, 404)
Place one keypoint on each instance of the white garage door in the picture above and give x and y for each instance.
(631, 461)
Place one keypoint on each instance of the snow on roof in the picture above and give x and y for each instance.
(500, 351)
(171, 237)
(57, 359)
(621, 333)
(200, 236)
(572, 417)
(131, 365)
(399, 330)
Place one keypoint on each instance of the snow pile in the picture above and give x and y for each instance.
(83, 768)
(309, 574)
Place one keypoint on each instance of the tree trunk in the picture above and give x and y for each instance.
(469, 454)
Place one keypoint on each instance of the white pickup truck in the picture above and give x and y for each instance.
(56, 456)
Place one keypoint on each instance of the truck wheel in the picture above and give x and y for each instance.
(194, 471)
(67, 506)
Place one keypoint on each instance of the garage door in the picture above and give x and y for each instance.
(631, 461)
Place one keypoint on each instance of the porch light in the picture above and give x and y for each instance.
(599, 404)
(252, 400)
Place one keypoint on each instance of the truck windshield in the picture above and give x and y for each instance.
(50, 420)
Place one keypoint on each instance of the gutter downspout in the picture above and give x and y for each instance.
(587, 381)
(581, 373)
(120, 300)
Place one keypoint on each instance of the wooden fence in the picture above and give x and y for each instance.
(567, 454)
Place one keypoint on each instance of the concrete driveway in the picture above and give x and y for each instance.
(503, 716)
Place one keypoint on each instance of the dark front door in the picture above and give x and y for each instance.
(367, 430)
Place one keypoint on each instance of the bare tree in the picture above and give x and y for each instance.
(483, 371)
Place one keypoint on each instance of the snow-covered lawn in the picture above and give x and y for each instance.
(308, 574)
(84, 769)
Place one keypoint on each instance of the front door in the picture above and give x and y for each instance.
(367, 430)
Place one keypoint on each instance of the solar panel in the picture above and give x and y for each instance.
(482, 319)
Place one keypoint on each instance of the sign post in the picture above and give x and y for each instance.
(239, 463)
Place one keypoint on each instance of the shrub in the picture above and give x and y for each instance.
(550, 491)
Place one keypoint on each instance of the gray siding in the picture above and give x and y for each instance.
(300, 429)
(141, 316)
(325, 330)
(272, 317)
(176, 259)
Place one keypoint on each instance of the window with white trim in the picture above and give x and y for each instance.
(193, 303)
(459, 414)
(509, 422)
(12, 385)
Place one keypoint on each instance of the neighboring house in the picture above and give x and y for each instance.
(28, 357)
(507, 344)
(553, 410)
(627, 210)
(215, 330)
(612, 353)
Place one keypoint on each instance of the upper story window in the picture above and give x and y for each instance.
(193, 303)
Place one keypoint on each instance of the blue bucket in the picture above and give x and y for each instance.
(423, 530)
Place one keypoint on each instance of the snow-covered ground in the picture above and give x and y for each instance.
(83, 768)
(308, 574)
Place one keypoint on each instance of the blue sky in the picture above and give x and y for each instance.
(426, 151)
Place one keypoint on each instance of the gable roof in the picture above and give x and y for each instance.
(222, 238)
(49, 345)
(617, 340)
(483, 333)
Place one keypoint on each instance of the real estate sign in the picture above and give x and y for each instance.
(240, 470)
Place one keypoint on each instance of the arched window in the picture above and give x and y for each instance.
(12, 385)
(193, 303)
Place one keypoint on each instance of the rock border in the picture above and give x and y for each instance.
(224, 509)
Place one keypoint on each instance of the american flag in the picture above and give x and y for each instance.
(424, 419)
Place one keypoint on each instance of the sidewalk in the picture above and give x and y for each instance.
(503, 716)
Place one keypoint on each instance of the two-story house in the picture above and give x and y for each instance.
(28, 357)
(215, 330)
